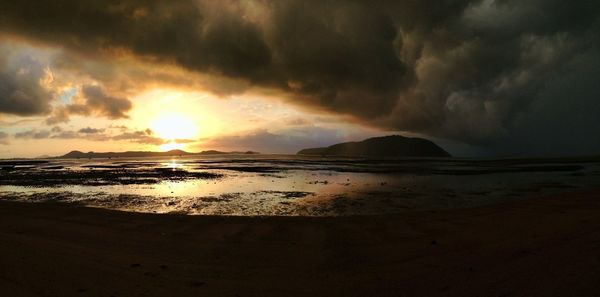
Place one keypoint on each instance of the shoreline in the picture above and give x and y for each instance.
(532, 247)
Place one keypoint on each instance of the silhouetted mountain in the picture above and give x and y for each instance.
(137, 154)
(395, 146)
(129, 154)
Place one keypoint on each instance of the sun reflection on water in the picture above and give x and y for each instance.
(173, 164)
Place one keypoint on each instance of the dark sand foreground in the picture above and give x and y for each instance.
(548, 246)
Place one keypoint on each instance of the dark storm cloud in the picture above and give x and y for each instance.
(33, 79)
(200, 36)
(484, 72)
(22, 89)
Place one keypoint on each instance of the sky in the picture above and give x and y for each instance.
(480, 78)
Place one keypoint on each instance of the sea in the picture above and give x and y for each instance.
(289, 185)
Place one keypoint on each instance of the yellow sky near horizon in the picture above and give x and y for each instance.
(183, 119)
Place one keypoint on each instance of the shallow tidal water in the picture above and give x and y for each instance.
(289, 185)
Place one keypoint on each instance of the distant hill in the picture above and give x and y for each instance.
(395, 146)
(138, 154)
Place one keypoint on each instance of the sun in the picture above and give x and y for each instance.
(173, 127)
(169, 146)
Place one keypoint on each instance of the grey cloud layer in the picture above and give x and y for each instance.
(95, 101)
(108, 134)
(28, 88)
(514, 75)
(22, 89)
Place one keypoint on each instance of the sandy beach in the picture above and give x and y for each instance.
(546, 246)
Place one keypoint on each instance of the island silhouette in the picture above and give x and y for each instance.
(394, 146)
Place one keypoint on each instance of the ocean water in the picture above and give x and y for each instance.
(282, 185)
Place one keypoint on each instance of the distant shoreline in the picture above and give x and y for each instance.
(139, 154)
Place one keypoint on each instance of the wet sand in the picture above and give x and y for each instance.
(545, 246)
